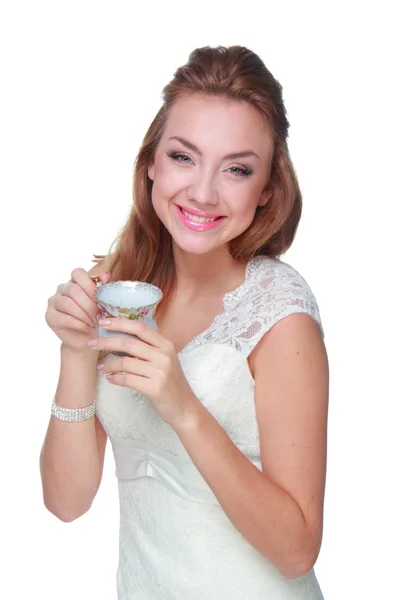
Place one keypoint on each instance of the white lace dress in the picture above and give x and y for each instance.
(176, 542)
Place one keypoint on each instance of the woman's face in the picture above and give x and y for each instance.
(210, 171)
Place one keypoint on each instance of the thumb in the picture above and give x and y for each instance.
(105, 277)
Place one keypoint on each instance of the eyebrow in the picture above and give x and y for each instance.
(232, 156)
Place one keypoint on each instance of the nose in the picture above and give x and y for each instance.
(203, 189)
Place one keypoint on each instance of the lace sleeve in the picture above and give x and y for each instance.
(274, 290)
(280, 291)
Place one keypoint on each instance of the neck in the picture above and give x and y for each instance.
(209, 274)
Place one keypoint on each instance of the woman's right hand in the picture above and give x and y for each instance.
(71, 312)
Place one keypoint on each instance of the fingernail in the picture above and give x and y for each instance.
(93, 342)
(104, 321)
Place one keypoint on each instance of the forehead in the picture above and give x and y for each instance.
(217, 122)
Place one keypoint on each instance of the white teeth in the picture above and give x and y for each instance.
(196, 218)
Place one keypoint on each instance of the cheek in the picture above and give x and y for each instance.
(167, 182)
(245, 203)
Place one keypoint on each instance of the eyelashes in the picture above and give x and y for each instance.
(179, 157)
(240, 171)
(185, 159)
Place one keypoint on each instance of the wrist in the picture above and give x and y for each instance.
(81, 354)
(74, 414)
(191, 418)
(77, 379)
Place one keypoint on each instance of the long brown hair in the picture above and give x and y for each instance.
(143, 249)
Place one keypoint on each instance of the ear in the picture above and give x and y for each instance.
(150, 171)
(265, 196)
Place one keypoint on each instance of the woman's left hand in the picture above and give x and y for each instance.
(152, 369)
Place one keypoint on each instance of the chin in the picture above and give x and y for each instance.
(196, 247)
(195, 243)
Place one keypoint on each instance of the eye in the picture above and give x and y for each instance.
(180, 157)
(240, 171)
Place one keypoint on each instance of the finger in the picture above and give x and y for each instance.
(128, 345)
(135, 382)
(84, 281)
(133, 366)
(142, 330)
(73, 290)
(101, 279)
(64, 321)
(67, 305)
(105, 277)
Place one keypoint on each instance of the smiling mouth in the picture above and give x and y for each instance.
(198, 219)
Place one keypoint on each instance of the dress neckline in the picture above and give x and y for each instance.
(227, 300)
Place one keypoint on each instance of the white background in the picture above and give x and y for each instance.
(80, 83)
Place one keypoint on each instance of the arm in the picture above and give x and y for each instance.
(72, 457)
(279, 511)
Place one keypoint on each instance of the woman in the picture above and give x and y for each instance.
(217, 420)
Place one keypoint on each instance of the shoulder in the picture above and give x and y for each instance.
(279, 290)
(272, 291)
(275, 273)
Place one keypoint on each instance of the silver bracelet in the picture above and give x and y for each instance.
(73, 415)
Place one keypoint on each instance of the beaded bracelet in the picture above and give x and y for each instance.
(73, 415)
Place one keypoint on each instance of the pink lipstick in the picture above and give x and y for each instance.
(198, 220)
